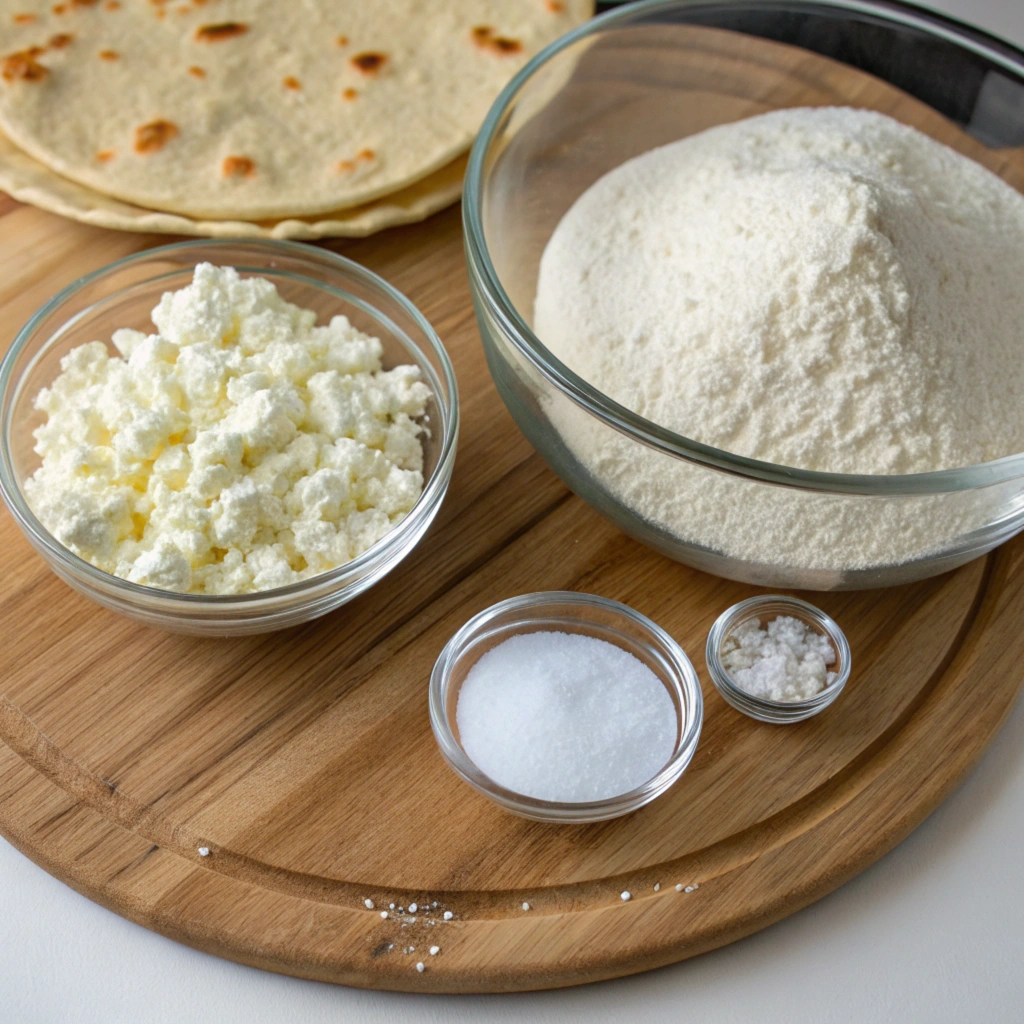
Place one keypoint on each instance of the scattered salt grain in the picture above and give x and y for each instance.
(391, 906)
(785, 661)
(413, 908)
(689, 888)
(383, 915)
(434, 904)
(567, 717)
(626, 895)
(368, 903)
(526, 906)
(657, 886)
(434, 950)
(448, 915)
(679, 887)
(420, 967)
(204, 851)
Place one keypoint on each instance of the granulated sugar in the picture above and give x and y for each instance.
(825, 289)
(562, 716)
(786, 660)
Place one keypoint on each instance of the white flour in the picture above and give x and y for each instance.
(819, 288)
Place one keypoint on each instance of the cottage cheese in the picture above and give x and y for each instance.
(239, 448)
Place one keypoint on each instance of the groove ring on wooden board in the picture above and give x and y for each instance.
(21, 735)
(839, 804)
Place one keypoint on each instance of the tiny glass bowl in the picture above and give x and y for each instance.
(566, 612)
(123, 294)
(767, 608)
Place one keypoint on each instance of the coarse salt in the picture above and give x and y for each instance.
(448, 915)
(784, 661)
(420, 967)
(566, 717)
(368, 903)
(204, 851)
(413, 908)
(625, 896)
(384, 915)
(526, 906)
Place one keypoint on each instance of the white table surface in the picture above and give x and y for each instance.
(934, 932)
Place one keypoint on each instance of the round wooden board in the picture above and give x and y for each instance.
(304, 759)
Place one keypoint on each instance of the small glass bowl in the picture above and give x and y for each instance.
(123, 294)
(769, 607)
(566, 612)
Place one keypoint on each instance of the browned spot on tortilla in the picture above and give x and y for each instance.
(238, 167)
(196, 72)
(160, 13)
(112, 5)
(23, 66)
(341, 41)
(349, 93)
(60, 40)
(554, 6)
(346, 166)
(60, 8)
(153, 136)
(84, 3)
(369, 63)
(109, 55)
(218, 33)
(104, 156)
(484, 36)
(291, 82)
(23, 19)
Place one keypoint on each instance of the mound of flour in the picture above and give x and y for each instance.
(819, 288)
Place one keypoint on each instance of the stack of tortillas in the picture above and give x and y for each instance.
(272, 118)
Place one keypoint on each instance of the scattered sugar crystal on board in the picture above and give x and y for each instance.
(566, 717)
(787, 660)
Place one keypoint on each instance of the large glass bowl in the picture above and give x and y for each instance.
(656, 71)
(123, 295)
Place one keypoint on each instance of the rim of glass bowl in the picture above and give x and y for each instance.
(670, 653)
(433, 489)
(775, 711)
(499, 305)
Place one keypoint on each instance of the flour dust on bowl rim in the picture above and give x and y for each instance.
(650, 74)
(123, 295)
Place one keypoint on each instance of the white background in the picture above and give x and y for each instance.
(934, 932)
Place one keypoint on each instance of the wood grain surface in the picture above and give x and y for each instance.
(304, 759)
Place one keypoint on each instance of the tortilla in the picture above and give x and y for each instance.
(257, 109)
(28, 181)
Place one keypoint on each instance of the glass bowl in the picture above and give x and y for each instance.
(123, 295)
(656, 71)
(567, 612)
(765, 608)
